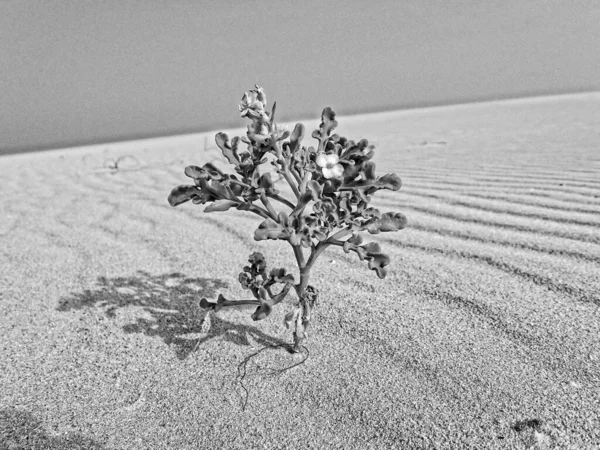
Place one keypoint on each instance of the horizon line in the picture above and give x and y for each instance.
(65, 145)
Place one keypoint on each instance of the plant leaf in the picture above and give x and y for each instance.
(378, 262)
(220, 205)
(265, 308)
(182, 194)
(269, 229)
(389, 181)
(388, 222)
(392, 222)
(296, 137)
(208, 171)
(328, 122)
(369, 171)
(222, 141)
(281, 276)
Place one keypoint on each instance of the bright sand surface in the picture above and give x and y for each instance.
(485, 334)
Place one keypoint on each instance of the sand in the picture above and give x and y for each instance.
(485, 333)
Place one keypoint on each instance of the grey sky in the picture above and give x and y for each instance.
(75, 72)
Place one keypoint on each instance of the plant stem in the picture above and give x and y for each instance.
(258, 210)
(240, 302)
(303, 320)
(265, 201)
(288, 178)
(307, 177)
(239, 183)
(281, 199)
(299, 256)
(296, 177)
(316, 252)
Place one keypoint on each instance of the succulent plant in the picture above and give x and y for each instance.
(331, 185)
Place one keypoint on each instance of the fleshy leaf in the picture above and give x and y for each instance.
(194, 172)
(216, 307)
(263, 311)
(388, 222)
(389, 181)
(372, 247)
(281, 276)
(296, 137)
(265, 308)
(328, 122)
(265, 182)
(392, 222)
(269, 229)
(369, 171)
(205, 304)
(378, 263)
(222, 141)
(372, 212)
(208, 171)
(182, 194)
(220, 205)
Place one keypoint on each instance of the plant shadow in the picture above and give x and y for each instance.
(20, 430)
(172, 300)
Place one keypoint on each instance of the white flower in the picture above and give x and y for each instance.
(330, 165)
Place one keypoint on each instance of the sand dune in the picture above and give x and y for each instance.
(486, 333)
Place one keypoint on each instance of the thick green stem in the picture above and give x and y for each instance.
(303, 319)
(299, 256)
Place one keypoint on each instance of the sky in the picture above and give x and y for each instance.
(90, 71)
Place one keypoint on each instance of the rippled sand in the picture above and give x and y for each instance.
(486, 333)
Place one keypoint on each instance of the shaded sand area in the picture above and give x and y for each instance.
(485, 334)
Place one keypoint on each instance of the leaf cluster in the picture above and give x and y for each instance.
(332, 184)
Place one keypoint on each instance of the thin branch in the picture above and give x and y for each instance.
(290, 181)
(265, 201)
(281, 199)
(225, 303)
(296, 176)
(258, 210)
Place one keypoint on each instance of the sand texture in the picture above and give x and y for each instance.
(485, 334)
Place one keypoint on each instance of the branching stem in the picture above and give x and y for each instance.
(299, 256)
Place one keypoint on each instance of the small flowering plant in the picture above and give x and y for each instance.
(331, 187)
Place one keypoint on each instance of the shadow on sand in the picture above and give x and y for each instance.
(172, 300)
(20, 430)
